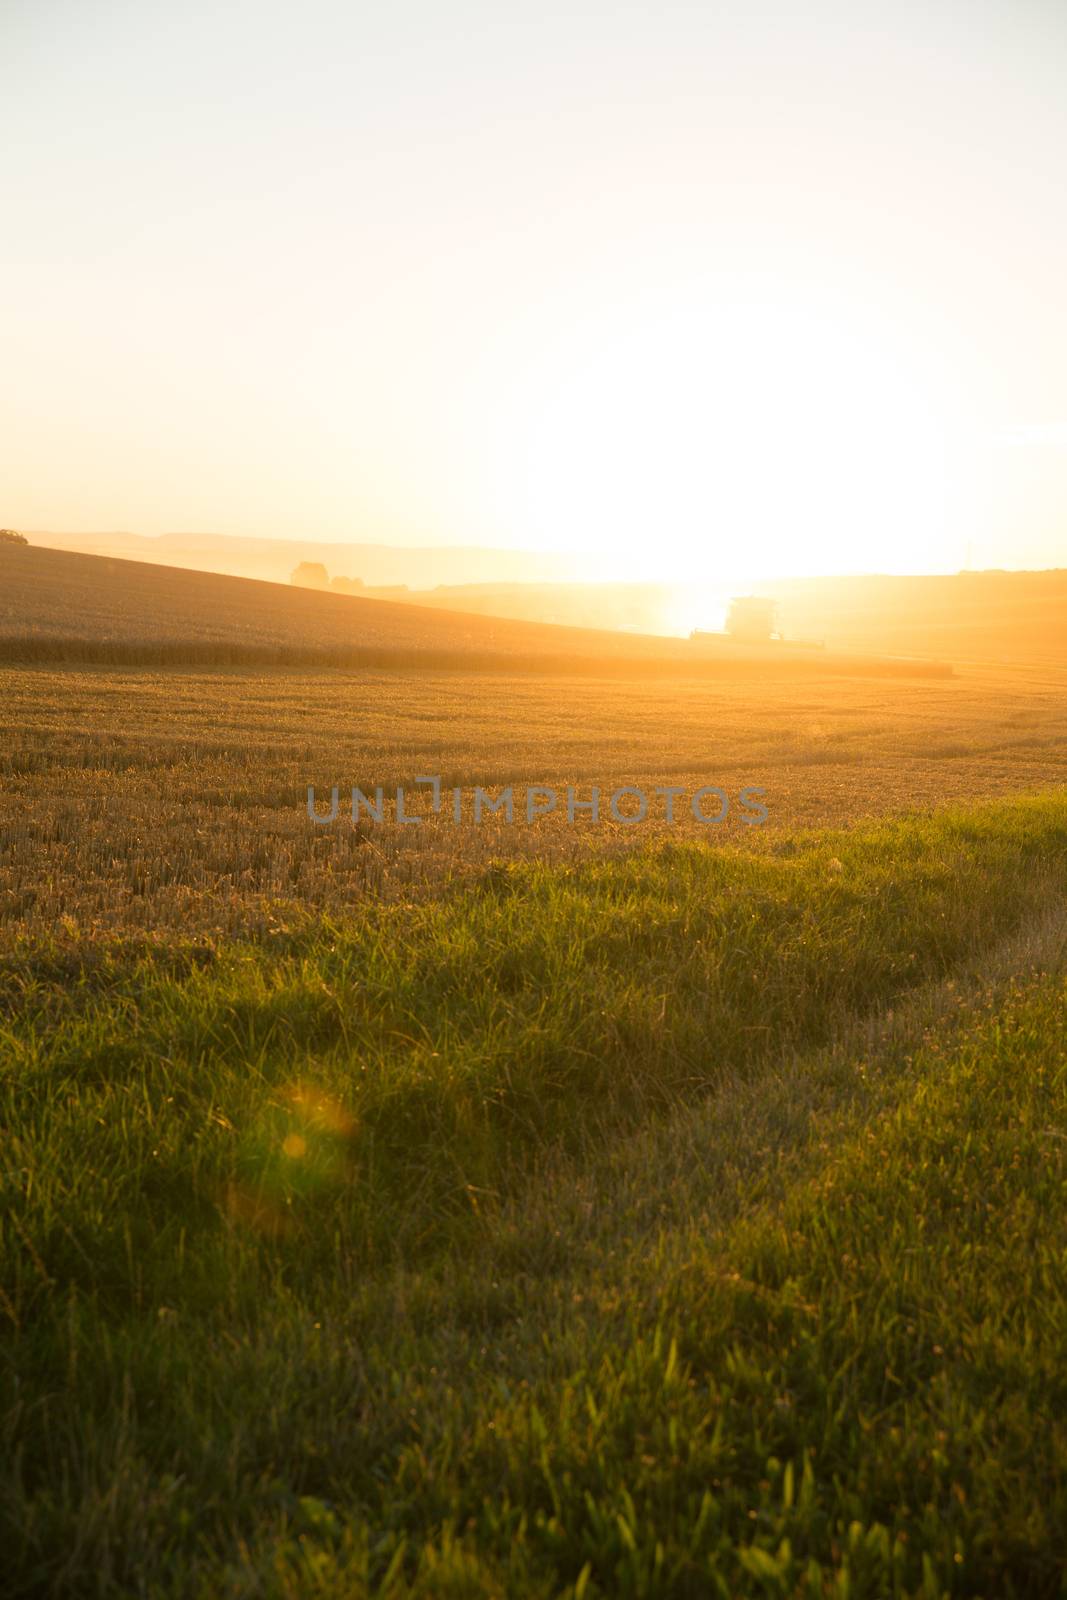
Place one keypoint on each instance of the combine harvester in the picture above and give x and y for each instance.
(752, 626)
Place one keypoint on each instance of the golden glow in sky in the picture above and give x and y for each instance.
(753, 436)
(683, 290)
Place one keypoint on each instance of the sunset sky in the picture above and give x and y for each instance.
(693, 288)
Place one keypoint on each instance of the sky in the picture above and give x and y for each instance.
(688, 289)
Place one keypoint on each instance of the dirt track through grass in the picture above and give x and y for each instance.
(361, 1262)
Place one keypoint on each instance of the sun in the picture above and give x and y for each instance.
(747, 437)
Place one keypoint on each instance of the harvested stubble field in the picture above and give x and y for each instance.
(571, 1211)
(176, 801)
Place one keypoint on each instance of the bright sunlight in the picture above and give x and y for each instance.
(748, 435)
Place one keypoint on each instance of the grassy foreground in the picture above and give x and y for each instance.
(595, 1231)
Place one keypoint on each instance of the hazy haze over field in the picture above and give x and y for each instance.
(697, 290)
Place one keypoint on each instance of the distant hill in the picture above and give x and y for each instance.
(964, 616)
(56, 605)
(46, 592)
(274, 559)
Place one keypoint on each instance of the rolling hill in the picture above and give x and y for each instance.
(57, 605)
(992, 616)
(980, 616)
(54, 594)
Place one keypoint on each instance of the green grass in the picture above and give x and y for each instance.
(626, 1229)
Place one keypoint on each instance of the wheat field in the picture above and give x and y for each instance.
(177, 800)
(558, 1210)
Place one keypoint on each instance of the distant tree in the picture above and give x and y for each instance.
(310, 575)
(346, 585)
(752, 617)
(9, 536)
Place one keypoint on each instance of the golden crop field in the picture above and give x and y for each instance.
(176, 801)
(484, 1208)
